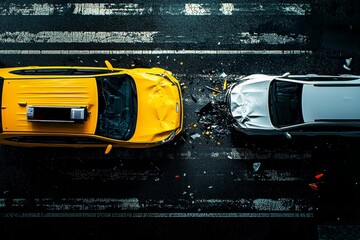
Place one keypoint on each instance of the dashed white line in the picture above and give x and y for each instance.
(154, 215)
(77, 37)
(154, 52)
(123, 9)
(241, 38)
(284, 207)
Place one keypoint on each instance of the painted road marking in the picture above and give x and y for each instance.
(267, 175)
(125, 9)
(236, 154)
(77, 37)
(285, 207)
(154, 52)
(147, 37)
(155, 215)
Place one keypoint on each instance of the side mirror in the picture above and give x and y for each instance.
(109, 66)
(108, 149)
(288, 135)
(285, 75)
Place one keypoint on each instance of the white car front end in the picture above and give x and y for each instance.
(248, 103)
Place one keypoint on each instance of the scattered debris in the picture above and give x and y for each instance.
(213, 118)
(223, 75)
(347, 64)
(318, 180)
(210, 186)
(346, 67)
(313, 186)
(195, 135)
(225, 85)
(207, 107)
(319, 175)
(213, 89)
(136, 62)
(155, 166)
(256, 166)
(208, 72)
(348, 61)
(193, 98)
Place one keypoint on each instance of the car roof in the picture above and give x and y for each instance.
(331, 100)
(19, 94)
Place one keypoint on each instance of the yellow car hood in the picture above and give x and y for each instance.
(159, 107)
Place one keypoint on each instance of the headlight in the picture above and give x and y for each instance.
(168, 139)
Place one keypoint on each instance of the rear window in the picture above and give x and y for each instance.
(285, 103)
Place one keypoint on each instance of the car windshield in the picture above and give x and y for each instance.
(117, 107)
(285, 103)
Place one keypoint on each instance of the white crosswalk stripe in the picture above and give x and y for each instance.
(124, 9)
(144, 37)
(282, 207)
(154, 52)
(241, 43)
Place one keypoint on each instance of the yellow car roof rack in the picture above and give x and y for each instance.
(56, 114)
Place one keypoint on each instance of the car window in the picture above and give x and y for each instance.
(56, 139)
(54, 71)
(117, 106)
(285, 103)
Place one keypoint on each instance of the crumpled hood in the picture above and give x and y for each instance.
(249, 102)
(159, 110)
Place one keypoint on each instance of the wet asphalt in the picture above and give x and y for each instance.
(210, 182)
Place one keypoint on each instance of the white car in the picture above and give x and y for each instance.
(308, 105)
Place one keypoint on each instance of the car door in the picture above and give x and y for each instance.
(327, 130)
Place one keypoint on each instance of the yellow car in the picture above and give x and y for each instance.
(89, 107)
